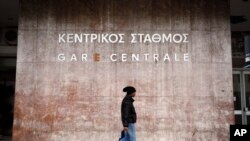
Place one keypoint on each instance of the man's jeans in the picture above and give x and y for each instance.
(131, 132)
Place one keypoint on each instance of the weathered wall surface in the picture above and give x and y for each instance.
(79, 101)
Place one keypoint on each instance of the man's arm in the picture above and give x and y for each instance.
(125, 114)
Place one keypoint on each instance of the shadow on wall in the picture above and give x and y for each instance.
(6, 109)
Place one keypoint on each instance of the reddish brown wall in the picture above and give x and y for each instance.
(176, 101)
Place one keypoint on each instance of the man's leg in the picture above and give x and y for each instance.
(131, 132)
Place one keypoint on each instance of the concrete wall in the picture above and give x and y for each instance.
(176, 101)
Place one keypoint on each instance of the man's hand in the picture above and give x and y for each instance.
(125, 129)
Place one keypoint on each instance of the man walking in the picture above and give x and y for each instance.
(128, 112)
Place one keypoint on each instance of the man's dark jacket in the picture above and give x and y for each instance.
(128, 111)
